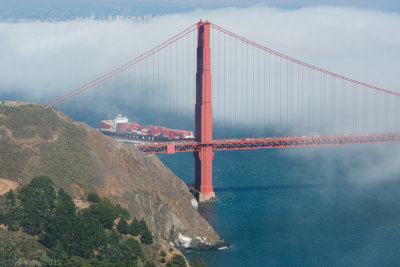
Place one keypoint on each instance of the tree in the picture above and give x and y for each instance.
(70, 234)
(114, 237)
(11, 199)
(75, 261)
(135, 247)
(123, 226)
(38, 201)
(177, 261)
(123, 213)
(135, 227)
(11, 214)
(147, 237)
(93, 197)
(105, 212)
(62, 225)
(143, 226)
(89, 234)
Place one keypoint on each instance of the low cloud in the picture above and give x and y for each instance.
(39, 58)
(44, 60)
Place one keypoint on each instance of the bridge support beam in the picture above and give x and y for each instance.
(203, 117)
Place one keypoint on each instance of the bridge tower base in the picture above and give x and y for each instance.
(203, 188)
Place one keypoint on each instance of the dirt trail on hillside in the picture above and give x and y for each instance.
(6, 185)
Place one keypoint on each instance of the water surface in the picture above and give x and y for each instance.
(330, 206)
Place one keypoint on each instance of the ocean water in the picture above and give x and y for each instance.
(319, 206)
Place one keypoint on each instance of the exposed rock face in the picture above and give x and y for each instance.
(39, 140)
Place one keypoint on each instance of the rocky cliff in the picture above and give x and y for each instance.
(40, 140)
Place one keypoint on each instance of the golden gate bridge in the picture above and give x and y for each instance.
(235, 94)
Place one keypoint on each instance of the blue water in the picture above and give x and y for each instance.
(321, 206)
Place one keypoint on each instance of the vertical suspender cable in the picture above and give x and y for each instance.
(153, 89)
(241, 93)
(188, 85)
(235, 98)
(280, 96)
(176, 85)
(309, 101)
(258, 88)
(287, 98)
(253, 93)
(264, 91)
(247, 85)
(276, 95)
(269, 95)
(230, 86)
(170, 86)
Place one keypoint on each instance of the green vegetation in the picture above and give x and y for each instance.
(198, 263)
(177, 261)
(47, 143)
(37, 204)
(150, 264)
(123, 226)
(105, 212)
(17, 245)
(93, 197)
(83, 238)
(89, 237)
(136, 228)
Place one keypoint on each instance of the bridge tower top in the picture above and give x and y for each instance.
(203, 118)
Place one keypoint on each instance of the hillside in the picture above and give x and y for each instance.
(40, 140)
(42, 225)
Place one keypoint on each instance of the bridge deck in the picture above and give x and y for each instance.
(267, 142)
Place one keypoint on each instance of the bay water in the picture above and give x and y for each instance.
(309, 206)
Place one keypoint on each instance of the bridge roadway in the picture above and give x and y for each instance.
(267, 142)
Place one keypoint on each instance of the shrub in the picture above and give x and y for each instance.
(14, 226)
(150, 264)
(162, 253)
(198, 263)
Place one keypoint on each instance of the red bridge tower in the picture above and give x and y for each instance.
(203, 117)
